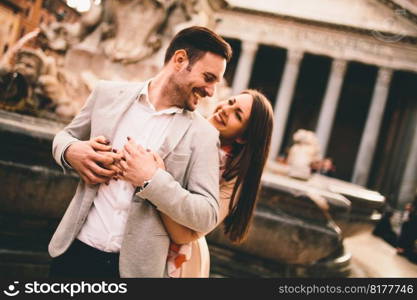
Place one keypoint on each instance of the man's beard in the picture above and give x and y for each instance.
(184, 94)
(181, 94)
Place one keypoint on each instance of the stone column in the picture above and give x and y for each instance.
(284, 99)
(330, 101)
(244, 66)
(409, 181)
(370, 134)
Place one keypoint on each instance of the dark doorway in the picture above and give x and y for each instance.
(351, 116)
(267, 71)
(308, 96)
(229, 74)
(395, 138)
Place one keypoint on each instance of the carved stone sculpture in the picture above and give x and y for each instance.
(303, 153)
(117, 40)
(32, 85)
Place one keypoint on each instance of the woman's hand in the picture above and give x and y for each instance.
(114, 166)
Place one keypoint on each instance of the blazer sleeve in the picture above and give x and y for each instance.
(180, 234)
(77, 130)
(195, 207)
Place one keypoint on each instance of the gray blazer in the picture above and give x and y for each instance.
(187, 191)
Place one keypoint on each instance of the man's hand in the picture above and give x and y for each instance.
(91, 159)
(139, 164)
(160, 163)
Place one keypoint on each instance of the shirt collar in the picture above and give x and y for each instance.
(143, 98)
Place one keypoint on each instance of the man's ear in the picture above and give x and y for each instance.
(180, 59)
(240, 140)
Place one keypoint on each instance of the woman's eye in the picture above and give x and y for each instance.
(238, 116)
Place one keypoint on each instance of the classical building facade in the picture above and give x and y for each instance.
(344, 69)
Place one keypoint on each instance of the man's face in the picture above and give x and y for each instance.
(199, 80)
(29, 66)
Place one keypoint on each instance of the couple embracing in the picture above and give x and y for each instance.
(155, 175)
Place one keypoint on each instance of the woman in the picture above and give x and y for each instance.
(245, 125)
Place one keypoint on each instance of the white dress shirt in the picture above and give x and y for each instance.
(107, 218)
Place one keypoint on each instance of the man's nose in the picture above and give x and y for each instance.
(210, 90)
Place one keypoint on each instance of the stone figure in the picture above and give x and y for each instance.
(125, 31)
(112, 41)
(14, 90)
(134, 28)
(60, 36)
(304, 151)
(31, 85)
(20, 83)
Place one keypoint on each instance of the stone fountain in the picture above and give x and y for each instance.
(300, 221)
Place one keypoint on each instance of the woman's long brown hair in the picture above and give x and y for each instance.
(246, 165)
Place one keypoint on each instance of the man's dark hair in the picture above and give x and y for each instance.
(196, 41)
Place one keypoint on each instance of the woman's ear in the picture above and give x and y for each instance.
(240, 140)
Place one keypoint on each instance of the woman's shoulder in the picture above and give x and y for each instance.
(226, 188)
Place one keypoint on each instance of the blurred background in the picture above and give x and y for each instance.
(343, 71)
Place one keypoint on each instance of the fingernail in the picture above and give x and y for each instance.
(114, 150)
(107, 142)
(106, 183)
(128, 138)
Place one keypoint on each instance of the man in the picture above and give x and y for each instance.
(114, 228)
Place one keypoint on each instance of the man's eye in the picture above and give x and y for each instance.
(209, 78)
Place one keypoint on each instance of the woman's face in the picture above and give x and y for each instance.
(231, 117)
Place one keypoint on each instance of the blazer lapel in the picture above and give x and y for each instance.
(120, 108)
(180, 124)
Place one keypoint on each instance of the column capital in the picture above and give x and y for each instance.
(339, 67)
(384, 76)
(294, 56)
(249, 46)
